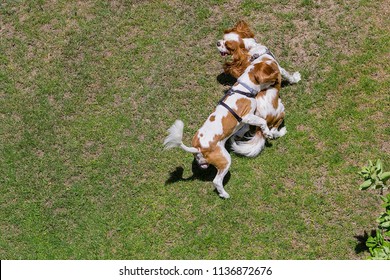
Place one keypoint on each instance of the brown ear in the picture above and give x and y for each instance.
(240, 59)
(235, 48)
(263, 73)
(237, 66)
(242, 28)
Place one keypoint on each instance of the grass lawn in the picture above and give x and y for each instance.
(89, 88)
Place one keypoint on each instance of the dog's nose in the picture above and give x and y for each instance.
(218, 44)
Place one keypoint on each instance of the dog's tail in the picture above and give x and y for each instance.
(251, 147)
(174, 139)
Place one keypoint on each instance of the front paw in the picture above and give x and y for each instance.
(267, 133)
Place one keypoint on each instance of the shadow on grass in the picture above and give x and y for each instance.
(206, 175)
(227, 80)
(362, 239)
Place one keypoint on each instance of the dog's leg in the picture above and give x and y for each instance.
(221, 160)
(292, 79)
(278, 131)
(257, 121)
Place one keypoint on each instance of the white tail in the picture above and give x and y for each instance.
(174, 139)
(251, 147)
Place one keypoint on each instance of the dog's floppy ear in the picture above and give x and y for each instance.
(238, 64)
(242, 28)
(265, 72)
(234, 47)
(240, 58)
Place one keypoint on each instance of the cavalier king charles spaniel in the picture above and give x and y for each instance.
(239, 42)
(235, 110)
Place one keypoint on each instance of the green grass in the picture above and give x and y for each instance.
(88, 89)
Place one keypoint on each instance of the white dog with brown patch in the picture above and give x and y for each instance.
(234, 110)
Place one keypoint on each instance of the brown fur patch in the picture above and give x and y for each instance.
(242, 29)
(212, 118)
(217, 159)
(240, 59)
(243, 106)
(195, 141)
(275, 121)
(275, 101)
(264, 73)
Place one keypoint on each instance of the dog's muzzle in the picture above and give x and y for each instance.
(201, 161)
(222, 49)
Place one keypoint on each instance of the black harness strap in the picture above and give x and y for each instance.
(251, 94)
(238, 118)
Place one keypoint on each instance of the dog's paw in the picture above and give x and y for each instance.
(282, 131)
(296, 77)
(278, 133)
(268, 134)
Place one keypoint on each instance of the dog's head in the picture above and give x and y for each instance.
(234, 44)
(233, 39)
(265, 73)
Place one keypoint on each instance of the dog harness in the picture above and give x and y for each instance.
(251, 94)
(257, 55)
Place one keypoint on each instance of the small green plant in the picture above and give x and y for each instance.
(379, 245)
(375, 178)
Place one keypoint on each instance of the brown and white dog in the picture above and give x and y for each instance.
(235, 110)
(239, 42)
(269, 107)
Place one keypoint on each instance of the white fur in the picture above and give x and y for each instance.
(278, 133)
(175, 136)
(249, 148)
(210, 129)
(256, 143)
(231, 37)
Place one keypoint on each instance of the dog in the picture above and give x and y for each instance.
(269, 107)
(233, 111)
(239, 42)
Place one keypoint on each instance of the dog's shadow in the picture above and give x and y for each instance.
(206, 175)
(227, 80)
